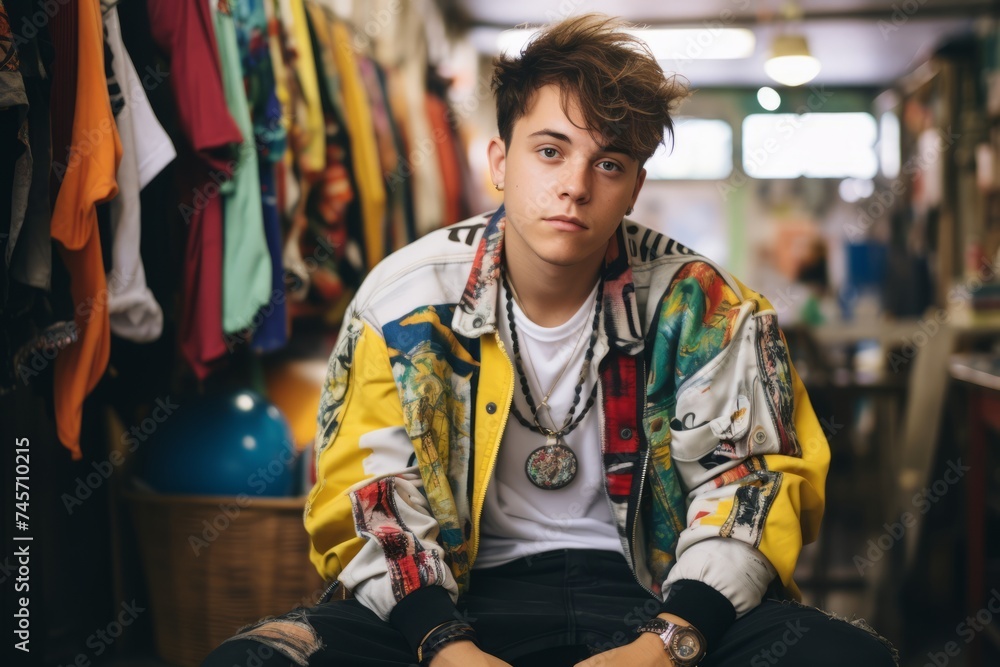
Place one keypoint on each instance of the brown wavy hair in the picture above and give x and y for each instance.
(623, 93)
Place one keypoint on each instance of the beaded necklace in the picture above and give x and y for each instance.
(553, 465)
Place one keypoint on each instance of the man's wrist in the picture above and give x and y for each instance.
(456, 651)
(673, 618)
(441, 637)
(674, 638)
(701, 606)
(653, 645)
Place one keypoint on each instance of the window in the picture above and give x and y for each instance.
(702, 149)
(815, 145)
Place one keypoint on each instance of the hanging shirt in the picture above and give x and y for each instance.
(309, 109)
(200, 332)
(146, 150)
(519, 519)
(402, 46)
(397, 232)
(447, 154)
(14, 101)
(246, 262)
(331, 209)
(31, 263)
(88, 177)
(364, 148)
(271, 327)
(183, 30)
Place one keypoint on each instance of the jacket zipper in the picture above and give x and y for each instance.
(477, 521)
(639, 433)
(635, 520)
(325, 597)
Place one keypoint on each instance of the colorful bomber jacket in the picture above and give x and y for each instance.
(714, 461)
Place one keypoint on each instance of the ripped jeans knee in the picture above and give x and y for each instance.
(859, 623)
(290, 634)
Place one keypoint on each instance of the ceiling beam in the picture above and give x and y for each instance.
(966, 10)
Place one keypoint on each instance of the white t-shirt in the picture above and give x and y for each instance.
(519, 519)
(146, 150)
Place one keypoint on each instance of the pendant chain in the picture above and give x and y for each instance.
(570, 422)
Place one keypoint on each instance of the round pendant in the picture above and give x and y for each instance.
(551, 466)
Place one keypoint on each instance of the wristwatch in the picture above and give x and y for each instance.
(683, 643)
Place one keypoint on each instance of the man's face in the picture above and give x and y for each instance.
(564, 193)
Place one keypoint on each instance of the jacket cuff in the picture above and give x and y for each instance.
(421, 611)
(702, 606)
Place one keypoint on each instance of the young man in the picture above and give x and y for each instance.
(550, 436)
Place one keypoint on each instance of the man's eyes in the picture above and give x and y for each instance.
(603, 165)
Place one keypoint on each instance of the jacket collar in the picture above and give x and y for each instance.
(477, 311)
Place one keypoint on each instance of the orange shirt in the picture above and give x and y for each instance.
(451, 170)
(89, 179)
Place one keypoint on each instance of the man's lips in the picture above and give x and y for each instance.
(565, 221)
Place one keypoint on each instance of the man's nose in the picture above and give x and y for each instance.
(574, 181)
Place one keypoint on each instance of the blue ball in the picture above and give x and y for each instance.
(225, 444)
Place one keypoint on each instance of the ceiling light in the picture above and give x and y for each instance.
(769, 98)
(791, 63)
(665, 43)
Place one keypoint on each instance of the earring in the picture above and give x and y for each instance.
(629, 211)
(498, 187)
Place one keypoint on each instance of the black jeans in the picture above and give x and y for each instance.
(553, 609)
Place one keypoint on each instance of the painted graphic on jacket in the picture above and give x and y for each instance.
(377, 518)
(435, 371)
(331, 402)
(485, 269)
(776, 376)
(752, 501)
(699, 319)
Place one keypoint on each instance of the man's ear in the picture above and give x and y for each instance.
(496, 154)
(639, 180)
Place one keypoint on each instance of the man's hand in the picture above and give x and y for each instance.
(466, 654)
(645, 651)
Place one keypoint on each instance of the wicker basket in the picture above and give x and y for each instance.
(207, 580)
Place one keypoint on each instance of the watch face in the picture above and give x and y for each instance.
(686, 646)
